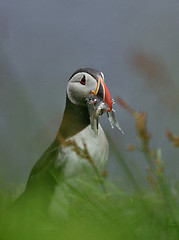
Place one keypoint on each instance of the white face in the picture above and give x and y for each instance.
(79, 87)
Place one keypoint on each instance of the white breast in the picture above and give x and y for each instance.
(97, 146)
(75, 166)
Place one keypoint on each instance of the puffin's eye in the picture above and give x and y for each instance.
(83, 80)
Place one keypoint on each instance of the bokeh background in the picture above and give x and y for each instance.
(135, 44)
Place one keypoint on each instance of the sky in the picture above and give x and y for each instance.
(134, 43)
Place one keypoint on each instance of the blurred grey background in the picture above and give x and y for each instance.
(135, 44)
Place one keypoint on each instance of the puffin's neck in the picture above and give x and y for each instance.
(75, 119)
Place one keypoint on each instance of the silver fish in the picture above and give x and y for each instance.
(96, 108)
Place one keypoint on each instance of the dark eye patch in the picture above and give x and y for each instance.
(83, 80)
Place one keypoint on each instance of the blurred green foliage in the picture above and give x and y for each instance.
(94, 214)
(98, 209)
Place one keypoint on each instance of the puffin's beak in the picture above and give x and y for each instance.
(103, 92)
(99, 107)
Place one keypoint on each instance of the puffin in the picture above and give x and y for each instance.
(80, 146)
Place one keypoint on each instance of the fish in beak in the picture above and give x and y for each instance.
(100, 101)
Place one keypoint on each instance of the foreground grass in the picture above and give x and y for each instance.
(98, 209)
(93, 214)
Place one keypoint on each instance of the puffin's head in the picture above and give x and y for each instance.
(86, 87)
(85, 81)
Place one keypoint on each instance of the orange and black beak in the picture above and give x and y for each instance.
(103, 92)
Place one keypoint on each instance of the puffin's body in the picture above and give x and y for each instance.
(61, 161)
(97, 146)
